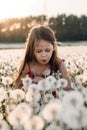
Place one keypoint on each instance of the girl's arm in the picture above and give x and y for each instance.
(64, 74)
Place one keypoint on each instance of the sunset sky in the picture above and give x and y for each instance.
(22, 8)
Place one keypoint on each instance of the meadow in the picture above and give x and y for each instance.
(34, 107)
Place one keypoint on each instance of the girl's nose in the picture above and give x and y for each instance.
(43, 54)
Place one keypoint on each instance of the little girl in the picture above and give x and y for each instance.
(41, 54)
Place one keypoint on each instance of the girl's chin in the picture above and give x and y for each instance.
(44, 62)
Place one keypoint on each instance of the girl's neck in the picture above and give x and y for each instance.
(40, 65)
(37, 67)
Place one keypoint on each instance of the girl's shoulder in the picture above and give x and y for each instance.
(60, 60)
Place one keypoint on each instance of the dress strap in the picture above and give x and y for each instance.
(30, 73)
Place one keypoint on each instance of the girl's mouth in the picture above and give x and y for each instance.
(44, 60)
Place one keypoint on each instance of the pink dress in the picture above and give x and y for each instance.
(31, 75)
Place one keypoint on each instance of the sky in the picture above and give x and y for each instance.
(23, 8)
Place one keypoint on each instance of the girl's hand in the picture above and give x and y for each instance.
(68, 88)
(37, 79)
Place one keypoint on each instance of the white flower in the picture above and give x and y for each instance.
(34, 88)
(2, 71)
(7, 80)
(70, 118)
(35, 106)
(62, 83)
(14, 118)
(77, 84)
(84, 117)
(10, 107)
(3, 94)
(26, 82)
(52, 80)
(79, 79)
(73, 99)
(56, 100)
(75, 118)
(17, 94)
(21, 111)
(24, 108)
(31, 97)
(1, 116)
(44, 85)
(52, 111)
(25, 122)
(74, 68)
(4, 125)
(46, 72)
(48, 97)
(52, 127)
(36, 123)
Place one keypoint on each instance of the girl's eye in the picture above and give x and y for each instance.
(47, 50)
(38, 51)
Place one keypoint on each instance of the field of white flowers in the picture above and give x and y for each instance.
(34, 107)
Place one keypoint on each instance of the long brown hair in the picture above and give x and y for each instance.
(37, 33)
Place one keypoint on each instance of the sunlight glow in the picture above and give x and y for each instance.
(22, 8)
(17, 8)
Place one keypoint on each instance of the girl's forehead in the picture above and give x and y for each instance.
(43, 43)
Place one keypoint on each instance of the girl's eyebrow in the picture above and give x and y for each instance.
(49, 47)
(42, 48)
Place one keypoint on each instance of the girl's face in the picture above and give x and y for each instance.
(43, 51)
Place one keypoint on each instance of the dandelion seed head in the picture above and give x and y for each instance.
(52, 111)
(73, 99)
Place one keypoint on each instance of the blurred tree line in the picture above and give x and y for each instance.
(66, 28)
